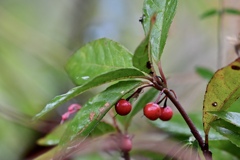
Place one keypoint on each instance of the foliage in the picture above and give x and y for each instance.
(213, 12)
(105, 61)
(222, 91)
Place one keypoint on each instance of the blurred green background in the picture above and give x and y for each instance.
(37, 37)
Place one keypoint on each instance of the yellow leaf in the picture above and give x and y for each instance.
(222, 90)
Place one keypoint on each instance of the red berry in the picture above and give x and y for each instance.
(152, 111)
(126, 143)
(123, 107)
(167, 113)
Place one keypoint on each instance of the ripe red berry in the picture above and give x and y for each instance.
(152, 111)
(123, 107)
(167, 113)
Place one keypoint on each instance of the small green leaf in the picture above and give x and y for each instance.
(222, 90)
(209, 13)
(164, 11)
(103, 128)
(232, 11)
(228, 130)
(99, 80)
(98, 57)
(204, 72)
(141, 59)
(86, 120)
(54, 136)
(231, 117)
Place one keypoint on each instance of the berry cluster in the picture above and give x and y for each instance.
(151, 110)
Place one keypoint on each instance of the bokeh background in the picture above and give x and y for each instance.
(37, 37)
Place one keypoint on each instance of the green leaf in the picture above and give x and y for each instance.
(231, 117)
(143, 100)
(222, 90)
(232, 11)
(54, 136)
(141, 59)
(99, 80)
(220, 154)
(96, 58)
(103, 128)
(235, 106)
(94, 110)
(228, 130)
(209, 13)
(47, 155)
(178, 127)
(164, 11)
(224, 145)
(204, 72)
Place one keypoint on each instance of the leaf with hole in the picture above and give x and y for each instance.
(222, 90)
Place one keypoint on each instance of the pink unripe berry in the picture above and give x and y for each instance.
(126, 143)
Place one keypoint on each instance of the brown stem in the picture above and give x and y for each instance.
(114, 121)
(161, 73)
(126, 156)
(198, 137)
(138, 91)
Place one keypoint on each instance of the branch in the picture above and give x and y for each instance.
(198, 137)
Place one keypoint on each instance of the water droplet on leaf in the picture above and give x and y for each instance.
(85, 77)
